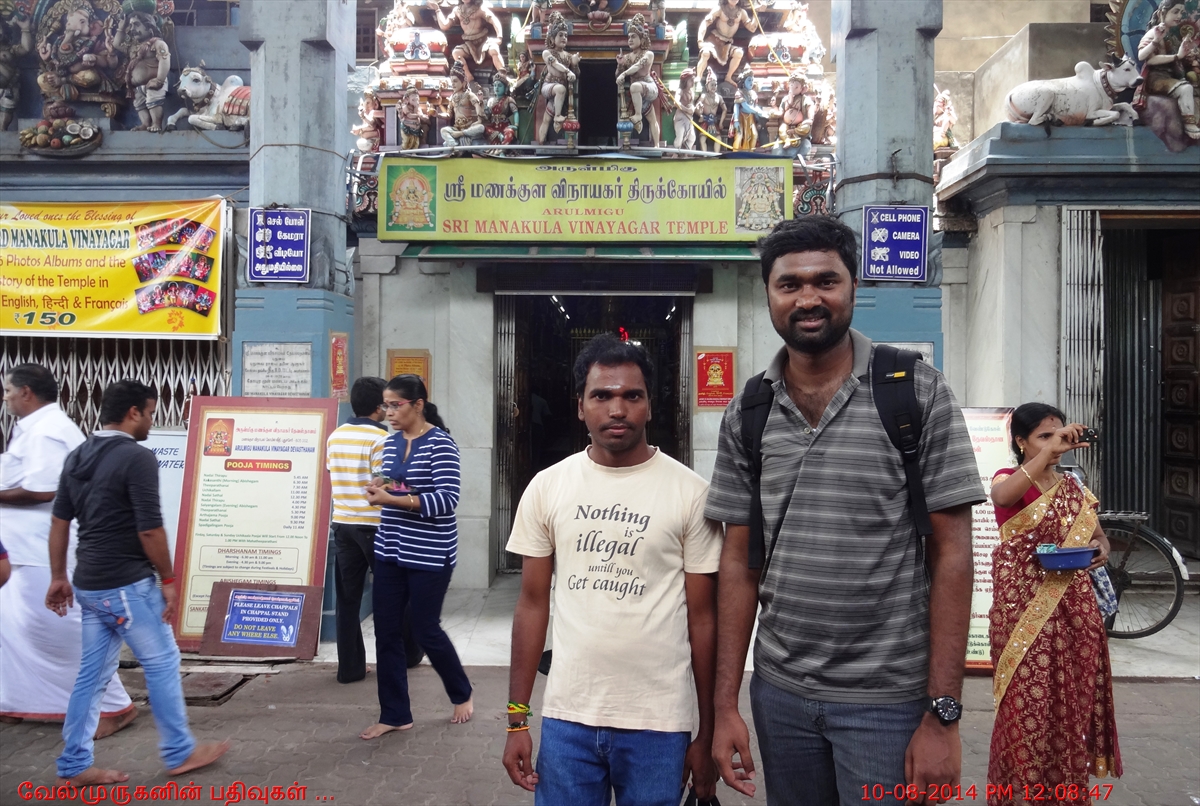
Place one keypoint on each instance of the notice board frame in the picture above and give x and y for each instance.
(319, 535)
(218, 607)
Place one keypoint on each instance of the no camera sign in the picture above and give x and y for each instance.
(895, 243)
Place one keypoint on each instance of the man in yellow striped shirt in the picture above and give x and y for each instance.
(353, 454)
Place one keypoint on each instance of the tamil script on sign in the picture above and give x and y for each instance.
(278, 246)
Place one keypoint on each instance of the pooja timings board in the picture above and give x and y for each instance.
(255, 503)
(989, 428)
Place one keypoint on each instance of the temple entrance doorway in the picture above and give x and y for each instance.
(598, 116)
(537, 423)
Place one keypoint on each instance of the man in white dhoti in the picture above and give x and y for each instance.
(39, 652)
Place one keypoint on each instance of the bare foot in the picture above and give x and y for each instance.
(378, 729)
(463, 712)
(202, 756)
(111, 724)
(95, 775)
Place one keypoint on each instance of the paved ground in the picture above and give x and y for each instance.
(301, 726)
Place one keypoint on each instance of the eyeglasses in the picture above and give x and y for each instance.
(395, 405)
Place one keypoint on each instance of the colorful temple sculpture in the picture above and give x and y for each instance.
(591, 76)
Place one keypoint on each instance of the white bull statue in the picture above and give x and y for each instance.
(1082, 100)
(213, 106)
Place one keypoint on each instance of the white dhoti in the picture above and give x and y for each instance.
(39, 652)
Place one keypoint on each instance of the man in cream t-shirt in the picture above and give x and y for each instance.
(621, 525)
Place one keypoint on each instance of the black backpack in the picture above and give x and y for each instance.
(896, 400)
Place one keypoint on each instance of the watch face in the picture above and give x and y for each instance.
(947, 709)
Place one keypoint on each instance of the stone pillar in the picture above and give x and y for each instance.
(883, 50)
(301, 53)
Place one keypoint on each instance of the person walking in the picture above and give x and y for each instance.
(353, 454)
(110, 485)
(622, 524)
(39, 652)
(416, 548)
(858, 662)
(1055, 717)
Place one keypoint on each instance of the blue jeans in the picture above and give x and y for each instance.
(823, 753)
(131, 614)
(580, 765)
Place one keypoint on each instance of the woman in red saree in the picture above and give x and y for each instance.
(1055, 722)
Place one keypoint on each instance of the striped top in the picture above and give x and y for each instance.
(845, 597)
(425, 539)
(353, 453)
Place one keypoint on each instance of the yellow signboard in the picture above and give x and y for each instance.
(590, 200)
(112, 269)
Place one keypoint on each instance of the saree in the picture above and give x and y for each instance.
(1055, 719)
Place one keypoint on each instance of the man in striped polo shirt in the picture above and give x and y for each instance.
(862, 637)
(353, 454)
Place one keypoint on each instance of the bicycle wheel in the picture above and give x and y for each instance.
(1147, 582)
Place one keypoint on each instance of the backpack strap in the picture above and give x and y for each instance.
(895, 394)
(756, 407)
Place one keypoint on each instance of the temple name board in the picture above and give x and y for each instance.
(559, 200)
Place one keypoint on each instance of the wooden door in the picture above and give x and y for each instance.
(1181, 391)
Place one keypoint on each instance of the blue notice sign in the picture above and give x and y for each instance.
(263, 617)
(895, 241)
(278, 245)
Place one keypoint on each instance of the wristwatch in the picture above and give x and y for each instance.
(947, 709)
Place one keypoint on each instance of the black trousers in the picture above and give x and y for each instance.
(354, 555)
(422, 592)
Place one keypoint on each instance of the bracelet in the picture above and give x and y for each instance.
(1026, 472)
(170, 581)
(518, 708)
(517, 727)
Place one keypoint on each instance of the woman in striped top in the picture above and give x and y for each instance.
(416, 546)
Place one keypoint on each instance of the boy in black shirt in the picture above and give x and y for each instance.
(110, 485)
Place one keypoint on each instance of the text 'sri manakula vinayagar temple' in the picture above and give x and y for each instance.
(270, 199)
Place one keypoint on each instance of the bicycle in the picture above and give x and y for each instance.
(1147, 574)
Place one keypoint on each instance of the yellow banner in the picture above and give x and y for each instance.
(112, 269)
(591, 200)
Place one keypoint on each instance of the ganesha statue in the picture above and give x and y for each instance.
(80, 58)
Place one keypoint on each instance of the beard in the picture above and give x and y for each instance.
(813, 342)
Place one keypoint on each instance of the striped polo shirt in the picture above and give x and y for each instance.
(352, 454)
(845, 598)
(425, 539)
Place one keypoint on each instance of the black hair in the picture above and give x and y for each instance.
(122, 396)
(607, 350)
(366, 395)
(813, 233)
(1027, 417)
(411, 387)
(39, 380)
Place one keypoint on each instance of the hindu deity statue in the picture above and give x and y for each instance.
(685, 110)
(475, 18)
(79, 58)
(411, 118)
(716, 33)
(467, 110)
(1163, 55)
(147, 68)
(560, 76)
(501, 107)
(539, 13)
(16, 39)
(944, 118)
(710, 107)
(394, 29)
(370, 131)
(743, 126)
(633, 68)
(796, 115)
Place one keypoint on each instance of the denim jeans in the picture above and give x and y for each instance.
(823, 753)
(581, 765)
(131, 614)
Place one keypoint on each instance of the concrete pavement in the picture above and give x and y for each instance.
(300, 725)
